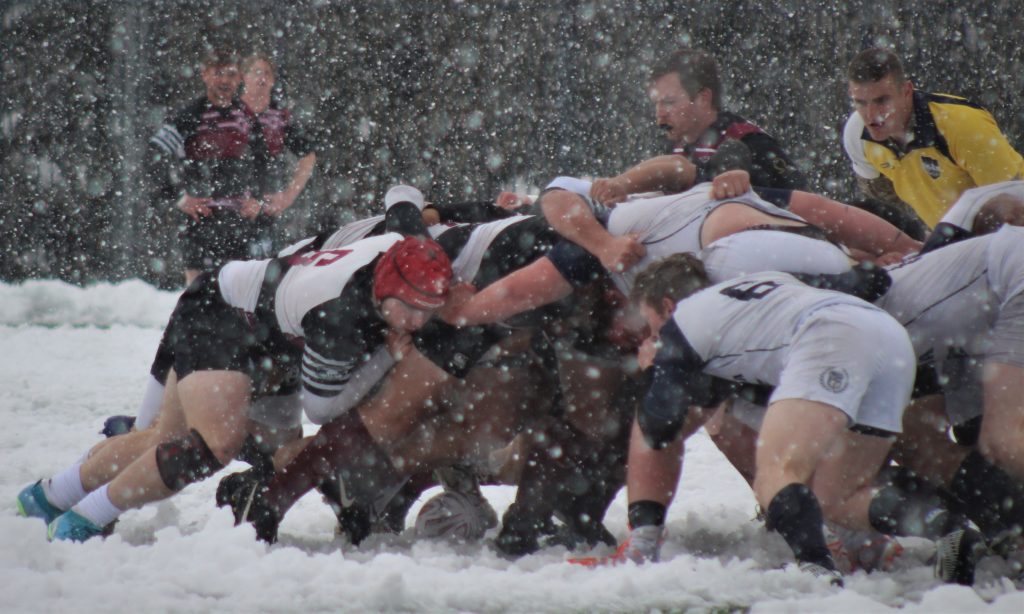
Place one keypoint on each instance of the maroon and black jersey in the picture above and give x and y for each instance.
(275, 131)
(213, 145)
(770, 167)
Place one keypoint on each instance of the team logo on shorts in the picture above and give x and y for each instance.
(834, 379)
(931, 166)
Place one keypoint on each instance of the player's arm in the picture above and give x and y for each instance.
(471, 212)
(275, 204)
(669, 173)
(677, 383)
(851, 226)
(535, 285)
(332, 353)
(880, 189)
(572, 217)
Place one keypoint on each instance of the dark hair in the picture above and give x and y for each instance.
(219, 56)
(697, 70)
(675, 278)
(875, 64)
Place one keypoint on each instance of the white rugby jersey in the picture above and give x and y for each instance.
(966, 208)
(741, 329)
(349, 233)
(313, 278)
(671, 224)
(951, 297)
(467, 264)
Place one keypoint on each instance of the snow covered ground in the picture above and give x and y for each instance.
(71, 357)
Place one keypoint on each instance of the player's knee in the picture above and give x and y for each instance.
(187, 460)
(659, 430)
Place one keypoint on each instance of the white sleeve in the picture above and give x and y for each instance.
(571, 184)
(169, 140)
(854, 147)
(966, 208)
(321, 409)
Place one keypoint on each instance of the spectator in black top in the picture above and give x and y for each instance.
(686, 90)
(207, 144)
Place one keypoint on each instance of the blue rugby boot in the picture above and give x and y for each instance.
(72, 526)
(32, 503)
(117, 425)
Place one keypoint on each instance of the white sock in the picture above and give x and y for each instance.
(65, 489)
(151, 401)
(97, 507)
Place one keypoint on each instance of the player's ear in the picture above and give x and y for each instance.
(667, 307)
(704, 97)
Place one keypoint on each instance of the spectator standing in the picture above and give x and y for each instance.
(273, 132)
(207, 144)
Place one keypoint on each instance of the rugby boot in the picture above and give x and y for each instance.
(117, 425)
(32, 503)
(862, 550)
(833, 577)
(235, 485)
(72, 526)
(521, 531)
(957, 554)
(642, 546)
(248, 505)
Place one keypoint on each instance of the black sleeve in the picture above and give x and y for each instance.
(475, 212)
(771, 167)
(339, 335)
(578, 266)
(943, 235)
(926, 381)
(406, 219)
(732, 155)
(678, 381)
(456, 350)
(298, 140)
(865, 280)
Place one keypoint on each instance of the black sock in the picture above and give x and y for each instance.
(906, 504)
(261, 461)
(795, 514)
(645, 514)
(992, 498)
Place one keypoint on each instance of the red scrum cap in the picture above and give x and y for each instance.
(415, 271)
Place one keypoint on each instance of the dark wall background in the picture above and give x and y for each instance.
(462, 99)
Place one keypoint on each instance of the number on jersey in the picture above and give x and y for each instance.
(318, 258)
(749, 290)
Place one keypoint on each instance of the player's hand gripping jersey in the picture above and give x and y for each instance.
(672, 224)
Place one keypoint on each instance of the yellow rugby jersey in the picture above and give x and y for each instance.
(956, 146)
